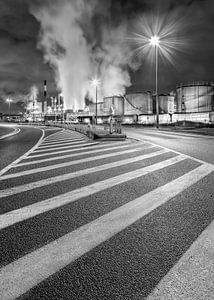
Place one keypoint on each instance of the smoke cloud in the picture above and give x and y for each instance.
(80, 42)
(33, 94)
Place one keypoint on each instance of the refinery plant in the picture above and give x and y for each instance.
(189, 102)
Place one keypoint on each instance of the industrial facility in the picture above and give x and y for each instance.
(189, 102)
(193, 102)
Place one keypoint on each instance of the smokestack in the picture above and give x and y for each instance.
(45, 95)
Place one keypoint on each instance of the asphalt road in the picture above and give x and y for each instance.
(195, 145)
(5, 129)
(126, 220)
(12, 147)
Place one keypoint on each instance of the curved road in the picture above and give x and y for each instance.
(12, 147)
(82, 219)
(195, 145)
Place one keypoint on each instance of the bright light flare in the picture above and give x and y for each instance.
(95, 82)
(161, 31)
(155, 40)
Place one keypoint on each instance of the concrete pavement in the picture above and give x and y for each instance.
(108, 220)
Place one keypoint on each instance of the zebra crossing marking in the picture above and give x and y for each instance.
(70, 163)
(28, 271)
(55, 179)
(37, 208)
(69, 138)
(98, 149)
(192, 276)
(71, 145)
(62, 136)
(65, 142)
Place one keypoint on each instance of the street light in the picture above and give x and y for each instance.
(155, 41)
(95, 82)
(9, 101)
(162, 33)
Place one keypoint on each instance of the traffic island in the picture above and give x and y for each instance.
(99, 132)
(105, 136)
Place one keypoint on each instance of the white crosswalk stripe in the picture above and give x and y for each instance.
(98, 149)
(50, 180)
(70, 163)
(76, 149)
(65, 142)
(73, 145)
(29, 211)
(28, 270)
(60, 140)
(192, 276)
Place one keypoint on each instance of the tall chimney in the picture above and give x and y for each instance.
(45, 95)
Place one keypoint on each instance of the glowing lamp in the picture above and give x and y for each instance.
(154, 40)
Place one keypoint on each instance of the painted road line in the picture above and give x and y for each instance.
(170, 134)
(28, 271)
(187, 134)
(70, 163)
(70, 145)
(42, 146)
(15, 131)
(178, 134)
(139, 138)
(192, 276)
(80, 148)
(51, 180)
(51, 128)
(37, 208)
(64, 136)
(47, 142)
(69, 155)
(23, 156)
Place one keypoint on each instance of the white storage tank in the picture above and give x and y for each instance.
(116, 102)
(195, 97)
(138, 103)
(166, 104)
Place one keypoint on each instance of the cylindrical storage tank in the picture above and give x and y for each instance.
(195, 97)
(138, 103)
(166, 104)
(92, 108)
(117, 102)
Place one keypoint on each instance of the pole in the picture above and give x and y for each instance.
(44, 98)
(26, 107)
(96, 105)
(9, 107)
(156, 86)
(33, 110)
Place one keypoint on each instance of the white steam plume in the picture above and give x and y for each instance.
(77, 53)
(115, 57)
(33, 93)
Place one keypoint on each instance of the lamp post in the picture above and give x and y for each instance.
(9, 101)
(55, 110)
(95, 82)
(154, 41)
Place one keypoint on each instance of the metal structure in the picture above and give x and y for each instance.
(195, 97)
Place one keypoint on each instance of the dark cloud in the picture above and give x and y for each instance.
(194, 61)
(22, 64)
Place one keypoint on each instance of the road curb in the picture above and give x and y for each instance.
(16, 130)
(24, 155)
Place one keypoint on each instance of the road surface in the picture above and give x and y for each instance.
(82, 219)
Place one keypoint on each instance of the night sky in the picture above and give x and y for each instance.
(22, 62)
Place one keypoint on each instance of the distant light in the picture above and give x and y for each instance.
(95, 81)
(154, 40)
(9, 100)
